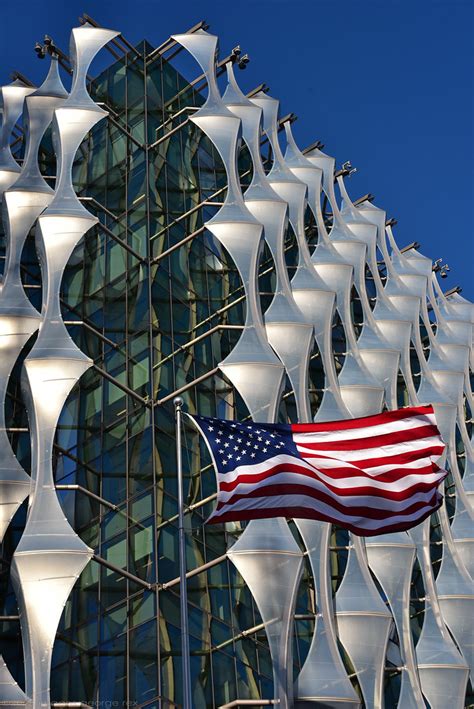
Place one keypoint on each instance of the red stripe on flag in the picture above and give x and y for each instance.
(374, 420)
(387, 493)
(369, 512)
(310, 513)
(390, 476)
(386, 439)
(399, 459)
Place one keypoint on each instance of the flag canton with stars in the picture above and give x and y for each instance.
(234, 443)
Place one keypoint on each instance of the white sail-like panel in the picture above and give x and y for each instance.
(50, 555)
(266, 554)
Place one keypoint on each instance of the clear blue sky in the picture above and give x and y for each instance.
(387, 84)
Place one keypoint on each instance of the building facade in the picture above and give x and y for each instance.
(159, 242)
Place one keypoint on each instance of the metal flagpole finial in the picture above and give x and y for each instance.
(178, 402)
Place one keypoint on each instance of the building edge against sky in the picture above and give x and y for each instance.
(246, 280)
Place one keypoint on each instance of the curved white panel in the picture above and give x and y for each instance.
(443, 671)
(323, 678)
(270, 561)
(365, 393)
(266, 554)
(456, 594)
(391, 558)
(22, 204)
(14, 482)
(287, 331)
(11, 106)
(50, 555)
(363, 623)
(321, 313)
(377, 353)
(11, 695)
(252, 366)
(361, 392)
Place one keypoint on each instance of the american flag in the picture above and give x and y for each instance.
(371, 475)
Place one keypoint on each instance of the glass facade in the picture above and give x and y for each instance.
(153, 298)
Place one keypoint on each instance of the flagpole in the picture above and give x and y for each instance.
(183, 597)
